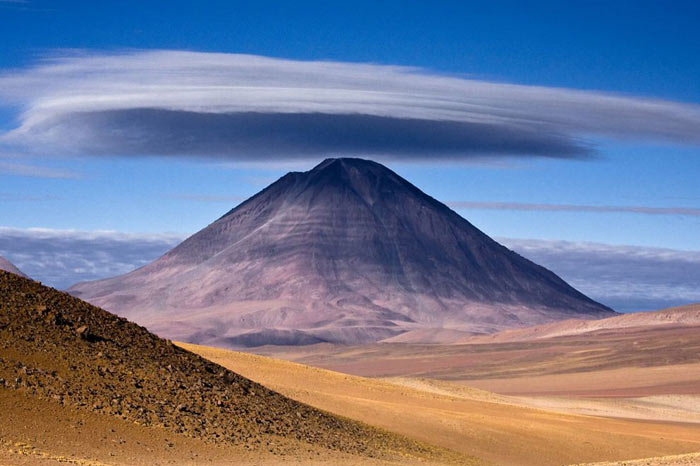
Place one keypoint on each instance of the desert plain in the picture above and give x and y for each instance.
(608, 394)
(82, 386)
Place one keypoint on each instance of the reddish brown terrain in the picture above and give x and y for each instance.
(642, 368)
(499, 429)
(683, 316)
(640, 354)
(80, 385)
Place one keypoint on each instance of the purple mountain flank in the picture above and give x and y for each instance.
(348, 252)
(8, 266)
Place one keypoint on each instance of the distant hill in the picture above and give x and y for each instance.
(688, 315)
(59, 349)
(8, 266)
(348, 252)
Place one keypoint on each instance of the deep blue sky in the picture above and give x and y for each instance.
(643, 48)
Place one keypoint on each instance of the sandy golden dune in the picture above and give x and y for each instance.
(81, 386)
(498, 429)
(692, 459)
(41, 433)
(627, 362)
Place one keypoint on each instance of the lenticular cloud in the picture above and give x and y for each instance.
(245, 107)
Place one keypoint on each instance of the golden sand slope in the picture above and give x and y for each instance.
(469, 421)
(628, 362)
(668, 408)
(692, 459)
(36, 432)
(59, 354)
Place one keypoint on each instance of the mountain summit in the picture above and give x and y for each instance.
(347, 252)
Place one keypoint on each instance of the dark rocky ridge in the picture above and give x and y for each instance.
(59, 348)
(347, 252)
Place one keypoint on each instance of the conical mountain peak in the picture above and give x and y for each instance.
(353, 172)
(369, 181)
(347, 252)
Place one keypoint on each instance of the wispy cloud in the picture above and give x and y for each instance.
(628, 278)
(22, 5)
(20, 197)
(35, 171)
(645, 210)
(206, 198)
(243, 107)
(62, 258)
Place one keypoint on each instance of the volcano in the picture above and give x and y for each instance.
(348, 252)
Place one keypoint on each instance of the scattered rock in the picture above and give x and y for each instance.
(150, 381)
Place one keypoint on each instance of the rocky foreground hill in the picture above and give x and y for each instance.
(348, 252)
(56, 347)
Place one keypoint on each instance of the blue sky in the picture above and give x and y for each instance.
(623, 55)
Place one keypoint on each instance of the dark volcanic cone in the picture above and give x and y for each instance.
(59, 348)
(347, 252)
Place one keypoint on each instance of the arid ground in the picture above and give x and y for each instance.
(81, 386)
(540, 428)
(629, 362)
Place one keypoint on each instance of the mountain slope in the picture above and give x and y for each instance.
(347, 252)
(681, 316)
(57, 348)
(8, 266)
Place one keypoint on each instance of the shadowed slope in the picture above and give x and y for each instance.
(58, 348)
(347, 252)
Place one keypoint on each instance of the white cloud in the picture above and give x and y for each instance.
(628, 278)
(246, 107)
(523, 206)
(62, 258)
(207, 198)
(19, 197)
(34, 171)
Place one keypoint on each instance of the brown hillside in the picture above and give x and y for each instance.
(681, 316)
(59, 348)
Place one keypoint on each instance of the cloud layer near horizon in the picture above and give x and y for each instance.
(627, 278)
(245, 107)
(61, 258)
(604, 209)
